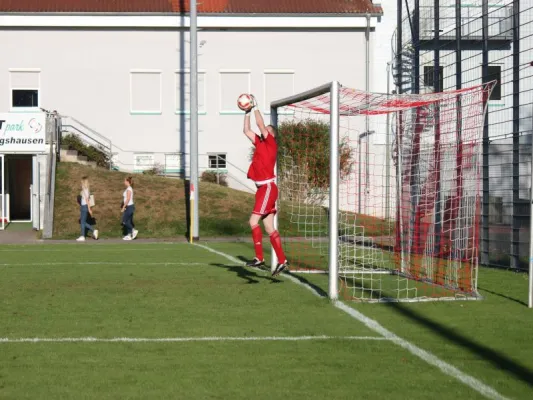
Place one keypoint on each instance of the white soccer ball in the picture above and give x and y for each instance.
(244, 102)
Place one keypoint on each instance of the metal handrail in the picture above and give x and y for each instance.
(90, 130)
(471, 13)
(65, 129)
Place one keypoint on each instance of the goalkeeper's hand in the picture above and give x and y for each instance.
(254, 102)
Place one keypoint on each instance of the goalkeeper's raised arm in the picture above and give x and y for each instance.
(264, 129)
(247, 128)
(259, 118)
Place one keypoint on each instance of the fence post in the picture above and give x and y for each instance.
(486, 196)
(530, 300)
(515, 238)
(530, 297)
(218, 170)
(416, 44)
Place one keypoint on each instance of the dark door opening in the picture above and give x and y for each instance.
(19, 170)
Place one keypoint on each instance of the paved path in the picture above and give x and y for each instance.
(15, 236)
(7, 237)
(29, 237)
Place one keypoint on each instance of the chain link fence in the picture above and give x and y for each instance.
(451, 44)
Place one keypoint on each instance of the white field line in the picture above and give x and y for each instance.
(227, 256)
(88, 248)
(239, 262)
(189, 339)
(424, 355)
(310, 272)
(100, 243)
(101, 263)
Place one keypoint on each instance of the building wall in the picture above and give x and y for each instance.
(87, 74)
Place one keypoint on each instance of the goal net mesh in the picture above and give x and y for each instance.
(409, 205)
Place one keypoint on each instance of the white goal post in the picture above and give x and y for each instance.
(333, 89)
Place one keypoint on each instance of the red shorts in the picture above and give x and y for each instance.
(265, 199)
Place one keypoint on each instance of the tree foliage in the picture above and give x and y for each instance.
(304, 157)
(215, 177)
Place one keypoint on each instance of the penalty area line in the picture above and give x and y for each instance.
(92, 248)
(426, 356)
(191, 339)
(102, 263)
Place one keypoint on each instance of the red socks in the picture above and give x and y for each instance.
(257, 236)
(275, 240)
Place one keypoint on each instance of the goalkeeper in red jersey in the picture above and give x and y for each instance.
(261, 171)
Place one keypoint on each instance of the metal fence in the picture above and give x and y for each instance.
(451, 44)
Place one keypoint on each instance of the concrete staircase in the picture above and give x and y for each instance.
(72, 156)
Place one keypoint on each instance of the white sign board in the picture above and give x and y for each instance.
(172, 163)
(143, 162)
(22, 132)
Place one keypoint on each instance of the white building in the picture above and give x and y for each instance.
(119, 70)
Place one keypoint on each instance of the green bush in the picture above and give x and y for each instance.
(157, 169)
(214, 177)
(303, 159)
(96, 154)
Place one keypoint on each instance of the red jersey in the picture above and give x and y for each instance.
(264, 159)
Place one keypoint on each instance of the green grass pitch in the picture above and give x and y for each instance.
(212, 308)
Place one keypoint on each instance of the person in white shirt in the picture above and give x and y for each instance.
(85, 210)
(128, 208)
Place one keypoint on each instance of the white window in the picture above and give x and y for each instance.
(25, 89)
(232, 84)
(183, 92)
(145, 92)
(173, 163)
(143, 162)
(278, 84)
(217, 161)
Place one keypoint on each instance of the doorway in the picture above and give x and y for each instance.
(3, 219)
(19, 186)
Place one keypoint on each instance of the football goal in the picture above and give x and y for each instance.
(382, 192)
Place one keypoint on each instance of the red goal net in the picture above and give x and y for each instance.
(409, 191)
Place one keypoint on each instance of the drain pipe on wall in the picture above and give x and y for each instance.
(367, 121)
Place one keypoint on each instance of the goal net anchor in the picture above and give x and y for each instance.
(416, 240)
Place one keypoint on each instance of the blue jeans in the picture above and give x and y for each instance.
(84, 213)
(127, 219)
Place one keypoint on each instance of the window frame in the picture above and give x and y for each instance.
(147, 72)
(266, 109)
(432, 75)
(218, 157)
(499, 84)
(12, 89)
(223, 72)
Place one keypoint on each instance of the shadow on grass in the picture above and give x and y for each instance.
(316, 288)
(300, 278)
(247, 274)
(523, 303)
(499, 360)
